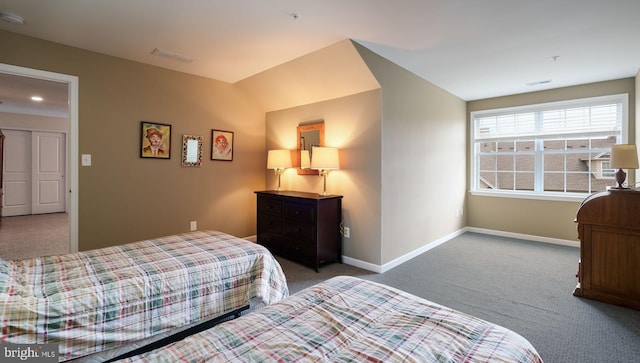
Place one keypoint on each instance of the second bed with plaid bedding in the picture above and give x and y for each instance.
(346, 319)
(91, 301)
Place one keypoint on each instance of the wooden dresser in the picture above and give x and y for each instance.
(302, 227)
(609, 233)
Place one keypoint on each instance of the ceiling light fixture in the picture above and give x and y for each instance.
(295, 16)
(37, 99)
(11, 18)
(172, 55)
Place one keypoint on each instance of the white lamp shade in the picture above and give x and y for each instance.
(305, 161)
(324, 158)
(624, 156)
(278, 159)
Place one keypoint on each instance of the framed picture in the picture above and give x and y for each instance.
(221, 145)
(155, 140)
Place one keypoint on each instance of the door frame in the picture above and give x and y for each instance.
(72, 142)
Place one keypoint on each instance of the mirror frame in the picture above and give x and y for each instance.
(302, 128)
(187, 149)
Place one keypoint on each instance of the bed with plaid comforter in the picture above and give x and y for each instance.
(92, 301)
(346, 319)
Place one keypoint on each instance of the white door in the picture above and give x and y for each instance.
(34, 173)
(17, 173)
(48, 185)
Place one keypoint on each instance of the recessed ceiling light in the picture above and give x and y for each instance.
(36, 98)
(295, 16)
(11, 18)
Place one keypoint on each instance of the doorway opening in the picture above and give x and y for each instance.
(71, 152)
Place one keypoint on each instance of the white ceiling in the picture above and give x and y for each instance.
(472, 48)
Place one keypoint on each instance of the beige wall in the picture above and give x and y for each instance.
(403, 148)
(423, 160)
(352, 124)
(553, 219)
(125, 198)
(391, 141)
(333, 85)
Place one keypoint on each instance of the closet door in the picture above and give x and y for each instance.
(47, 193)
(17, 173)
(34, 173)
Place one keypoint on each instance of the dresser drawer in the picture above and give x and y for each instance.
(273, 242)
(299, 212)
(269, 223)
(270, 206)
(302, 252)
(303, 233)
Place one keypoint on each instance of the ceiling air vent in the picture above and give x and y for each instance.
(173, 55)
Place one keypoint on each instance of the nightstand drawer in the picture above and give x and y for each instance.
(299, 212)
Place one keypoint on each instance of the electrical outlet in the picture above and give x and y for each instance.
(346, 232)
(86, 160)
(194, 225)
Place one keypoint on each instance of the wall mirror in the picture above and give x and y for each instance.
(309, 134)
(191, 150)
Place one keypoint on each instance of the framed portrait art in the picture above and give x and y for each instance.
(155, 140)
(221, 145)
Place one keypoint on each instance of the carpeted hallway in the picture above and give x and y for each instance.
(34, 235)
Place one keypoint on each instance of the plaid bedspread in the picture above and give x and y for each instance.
(346, 319)
(95, 300)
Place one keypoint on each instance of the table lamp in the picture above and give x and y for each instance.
(324, 159)
(278, 160)
(623, 156)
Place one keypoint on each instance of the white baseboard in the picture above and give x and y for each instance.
(253, 238)
(528, 237)
(388, 266)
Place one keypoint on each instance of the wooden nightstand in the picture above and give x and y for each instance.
(302, 227)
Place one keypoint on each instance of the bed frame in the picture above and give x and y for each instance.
(181, 335)
(347, 319)
(103, 303)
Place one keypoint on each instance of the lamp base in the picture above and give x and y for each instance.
(620, 178)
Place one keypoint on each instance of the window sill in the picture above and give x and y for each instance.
(563, 197)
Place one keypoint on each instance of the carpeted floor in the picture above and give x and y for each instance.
(522, 285)
(34, 235)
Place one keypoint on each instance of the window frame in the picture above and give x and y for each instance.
(622, 98)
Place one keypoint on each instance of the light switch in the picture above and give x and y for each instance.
(86, 159)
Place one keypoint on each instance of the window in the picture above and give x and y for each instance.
(607, 171)
(554, 149)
